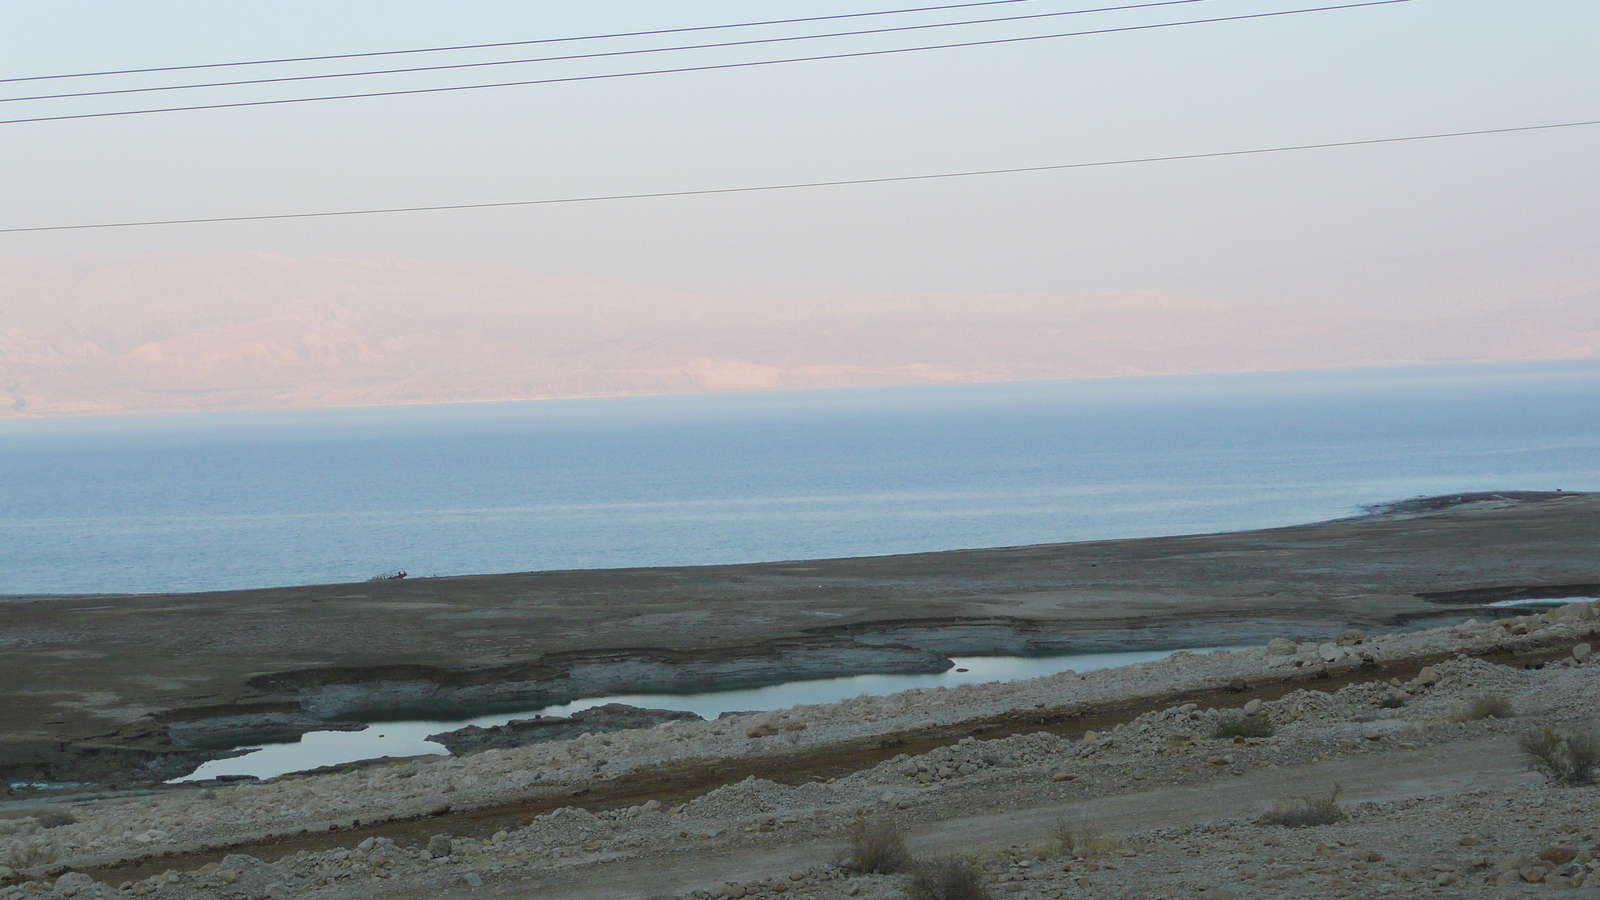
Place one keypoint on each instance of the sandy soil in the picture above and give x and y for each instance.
(130, 688)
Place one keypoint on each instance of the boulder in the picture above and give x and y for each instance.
(1558, 856)
(1428, 676)
(1582, 652)
(1282, 647)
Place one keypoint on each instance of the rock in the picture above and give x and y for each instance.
(1219, 760)
(473, 879)
(733, 891)
(1352, 636)
(1064, 776)
(1428, 676)
(1282, 647)
(1330, 652)
(1533, 874)
(1253, 707)
(1558, 856)
(1582, 652)
(439, 845)
(1469, 841)
(367, 844)
(71, 882)
(765, 724)
(227, 876)
(651, 806)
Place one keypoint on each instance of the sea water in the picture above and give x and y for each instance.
(233, 500)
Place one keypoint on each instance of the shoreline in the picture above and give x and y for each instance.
(1411, 507)
(112, 688)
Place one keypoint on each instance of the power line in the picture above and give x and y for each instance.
(799, 185)
(595, 55)
(701, 68)
(528, 43)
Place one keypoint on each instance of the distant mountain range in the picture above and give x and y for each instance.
(255, 331)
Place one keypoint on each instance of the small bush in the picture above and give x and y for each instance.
(947, 879)
(1256, 726)
(1485, 706)
(55, 818)
(29, 856)
(1305, 812)
(1569, 757)
(1082, 839)
(875, 847)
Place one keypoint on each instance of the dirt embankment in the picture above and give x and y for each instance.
(129, 688)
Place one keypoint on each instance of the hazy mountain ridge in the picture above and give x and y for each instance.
(257, 330)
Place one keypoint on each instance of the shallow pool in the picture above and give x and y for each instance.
(1541, 602)
(410, 738)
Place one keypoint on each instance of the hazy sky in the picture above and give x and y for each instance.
(1371, 225)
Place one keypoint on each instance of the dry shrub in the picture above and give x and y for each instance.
(30, 856)
(875, 847)
(947, 879)
(1485, 706)
(1305, 812)
(1256, 726)
(55, 818)
(1568, 757)
(1082, 839)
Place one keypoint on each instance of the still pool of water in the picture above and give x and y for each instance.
(1540, 603)
(410, 738)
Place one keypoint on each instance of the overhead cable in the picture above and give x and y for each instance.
(560, 40)
(751, 42)
(799, 185)
(701, 68)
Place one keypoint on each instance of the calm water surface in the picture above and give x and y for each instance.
(223, 500)
(410, 738)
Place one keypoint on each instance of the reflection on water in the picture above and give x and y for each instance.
(409, 738)
(1541, 602)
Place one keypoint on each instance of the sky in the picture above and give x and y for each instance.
(1410, 227)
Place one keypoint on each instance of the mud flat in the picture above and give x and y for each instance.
(126, 689)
